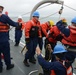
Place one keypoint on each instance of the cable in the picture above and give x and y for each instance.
(49, 15)
(38, 8)
(60, 11)
(70, 7)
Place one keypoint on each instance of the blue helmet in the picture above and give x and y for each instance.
(73, 20)
(59, 49)
(36, 13)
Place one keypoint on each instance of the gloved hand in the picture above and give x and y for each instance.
(46, 41)
(27, 40)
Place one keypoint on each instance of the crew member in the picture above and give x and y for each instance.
(69, 38)
(59, 67)
(45, 27)
(18, 31)
(32, 33)
(4, 39)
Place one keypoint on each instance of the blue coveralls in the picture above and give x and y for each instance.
(31, 48)
(40, 43)
(33, 40)
(66, 31)
(4, 40)
(56, 66)
(18, 35)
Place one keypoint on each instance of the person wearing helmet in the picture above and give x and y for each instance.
(45, 27)
(4, 39)
(53, 36)
(18, 32)
(1, 9)
(69, 37)
(59, 67)
(32, 33)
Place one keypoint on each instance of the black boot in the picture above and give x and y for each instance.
(10, 66)
(1, 69)
(16, 44)
(32, 61)
(26, 63)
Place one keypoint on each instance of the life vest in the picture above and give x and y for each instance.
(4, 27)
(22, 26)
(34, 30)
(68, 70)
(71, 40)
(54, 35)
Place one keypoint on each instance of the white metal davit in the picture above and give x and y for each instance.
(46, 1)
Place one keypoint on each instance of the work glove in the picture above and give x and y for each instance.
(46, 41)
(27, 40)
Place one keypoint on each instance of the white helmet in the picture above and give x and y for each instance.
(20, 17)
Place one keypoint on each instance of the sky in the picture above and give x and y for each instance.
(20, 7)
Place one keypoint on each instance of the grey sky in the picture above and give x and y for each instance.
(19, 7)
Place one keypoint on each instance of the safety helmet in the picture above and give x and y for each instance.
(59, 49)
(2, 7)
(73, 20)
(51, 23)
(64, 20)
(20, 17)
(36, 14)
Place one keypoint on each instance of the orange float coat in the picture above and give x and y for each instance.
(54, 32)
(29, 25)
(45, 29)
(71, 40)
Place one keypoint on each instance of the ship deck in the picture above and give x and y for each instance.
(20, 68)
